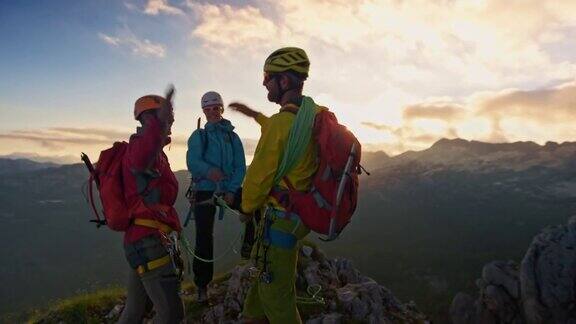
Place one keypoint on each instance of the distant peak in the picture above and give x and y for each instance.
(478, 147)
(446, 142)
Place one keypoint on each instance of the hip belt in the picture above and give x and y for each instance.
(277, 237)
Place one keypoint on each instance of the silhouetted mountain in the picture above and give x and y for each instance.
(374, 160)
(426, 222)
(56, 159)
(22, 165)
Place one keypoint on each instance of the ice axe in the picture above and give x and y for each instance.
(93, 177)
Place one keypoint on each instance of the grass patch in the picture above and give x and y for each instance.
(86, 308)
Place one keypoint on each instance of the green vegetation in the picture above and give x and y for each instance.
(95, 307)
(86, 308)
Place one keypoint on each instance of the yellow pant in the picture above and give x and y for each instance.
(276, 301)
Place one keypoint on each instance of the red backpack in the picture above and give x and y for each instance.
(108, 178)
(331, 201)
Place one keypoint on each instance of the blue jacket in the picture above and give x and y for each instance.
(223, 151)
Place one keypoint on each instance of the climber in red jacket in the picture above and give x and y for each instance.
(150, 190)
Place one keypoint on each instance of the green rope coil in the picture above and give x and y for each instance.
(298, 138)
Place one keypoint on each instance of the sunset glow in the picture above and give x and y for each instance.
(399, 74)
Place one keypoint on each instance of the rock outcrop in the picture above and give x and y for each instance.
(329, 291)
(332, 291)
(540, 290)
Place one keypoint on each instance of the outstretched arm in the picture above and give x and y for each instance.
(249, 112)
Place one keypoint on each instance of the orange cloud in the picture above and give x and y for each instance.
(224, 27)
(60, 137)
(155, 7)
(550, 105)
(448, 112)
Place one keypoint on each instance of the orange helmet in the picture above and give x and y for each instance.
(148, 102)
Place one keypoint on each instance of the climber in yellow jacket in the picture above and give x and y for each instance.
(272, 297)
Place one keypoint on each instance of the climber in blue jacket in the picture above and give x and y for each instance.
(216, 162)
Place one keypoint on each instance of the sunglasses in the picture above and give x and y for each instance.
(212, 108)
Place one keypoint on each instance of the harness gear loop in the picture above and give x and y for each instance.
(153, 264)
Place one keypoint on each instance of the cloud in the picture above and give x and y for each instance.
(52, 139)
(155, 7)
(224, 27)
(424, 46)
(444, 111)
(110, 134)
(144, 48)
(388, 62)
(397, 132)
(407, 137)
(114, 41)
(552, 105)
(540, 115)
(130, 6)
(379, 127)
(60, 137)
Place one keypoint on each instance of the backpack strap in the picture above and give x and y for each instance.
(204, 136)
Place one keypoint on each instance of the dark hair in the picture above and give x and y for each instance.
(296, 79)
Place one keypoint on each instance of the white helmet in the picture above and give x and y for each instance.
(211, 98)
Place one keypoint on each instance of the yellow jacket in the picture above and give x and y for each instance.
(267, 158)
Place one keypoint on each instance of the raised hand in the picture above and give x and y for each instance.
(243, 109)
(166, 112)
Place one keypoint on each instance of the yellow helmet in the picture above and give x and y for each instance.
(288, 58)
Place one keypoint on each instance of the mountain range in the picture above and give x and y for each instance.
(427, 221)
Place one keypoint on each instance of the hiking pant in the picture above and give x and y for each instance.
(160, 285)
(249, 236)
(276, 301)
(204, 247)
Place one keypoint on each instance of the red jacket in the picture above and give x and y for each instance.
(149, 182)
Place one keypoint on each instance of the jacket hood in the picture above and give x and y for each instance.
(224, 125)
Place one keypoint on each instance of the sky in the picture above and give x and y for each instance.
(400, 74)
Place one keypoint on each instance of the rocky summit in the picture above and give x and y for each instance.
(542, 289)
(329, 291)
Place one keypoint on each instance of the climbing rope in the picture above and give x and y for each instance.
(298, 138)
(219, 202)
(313, 291)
